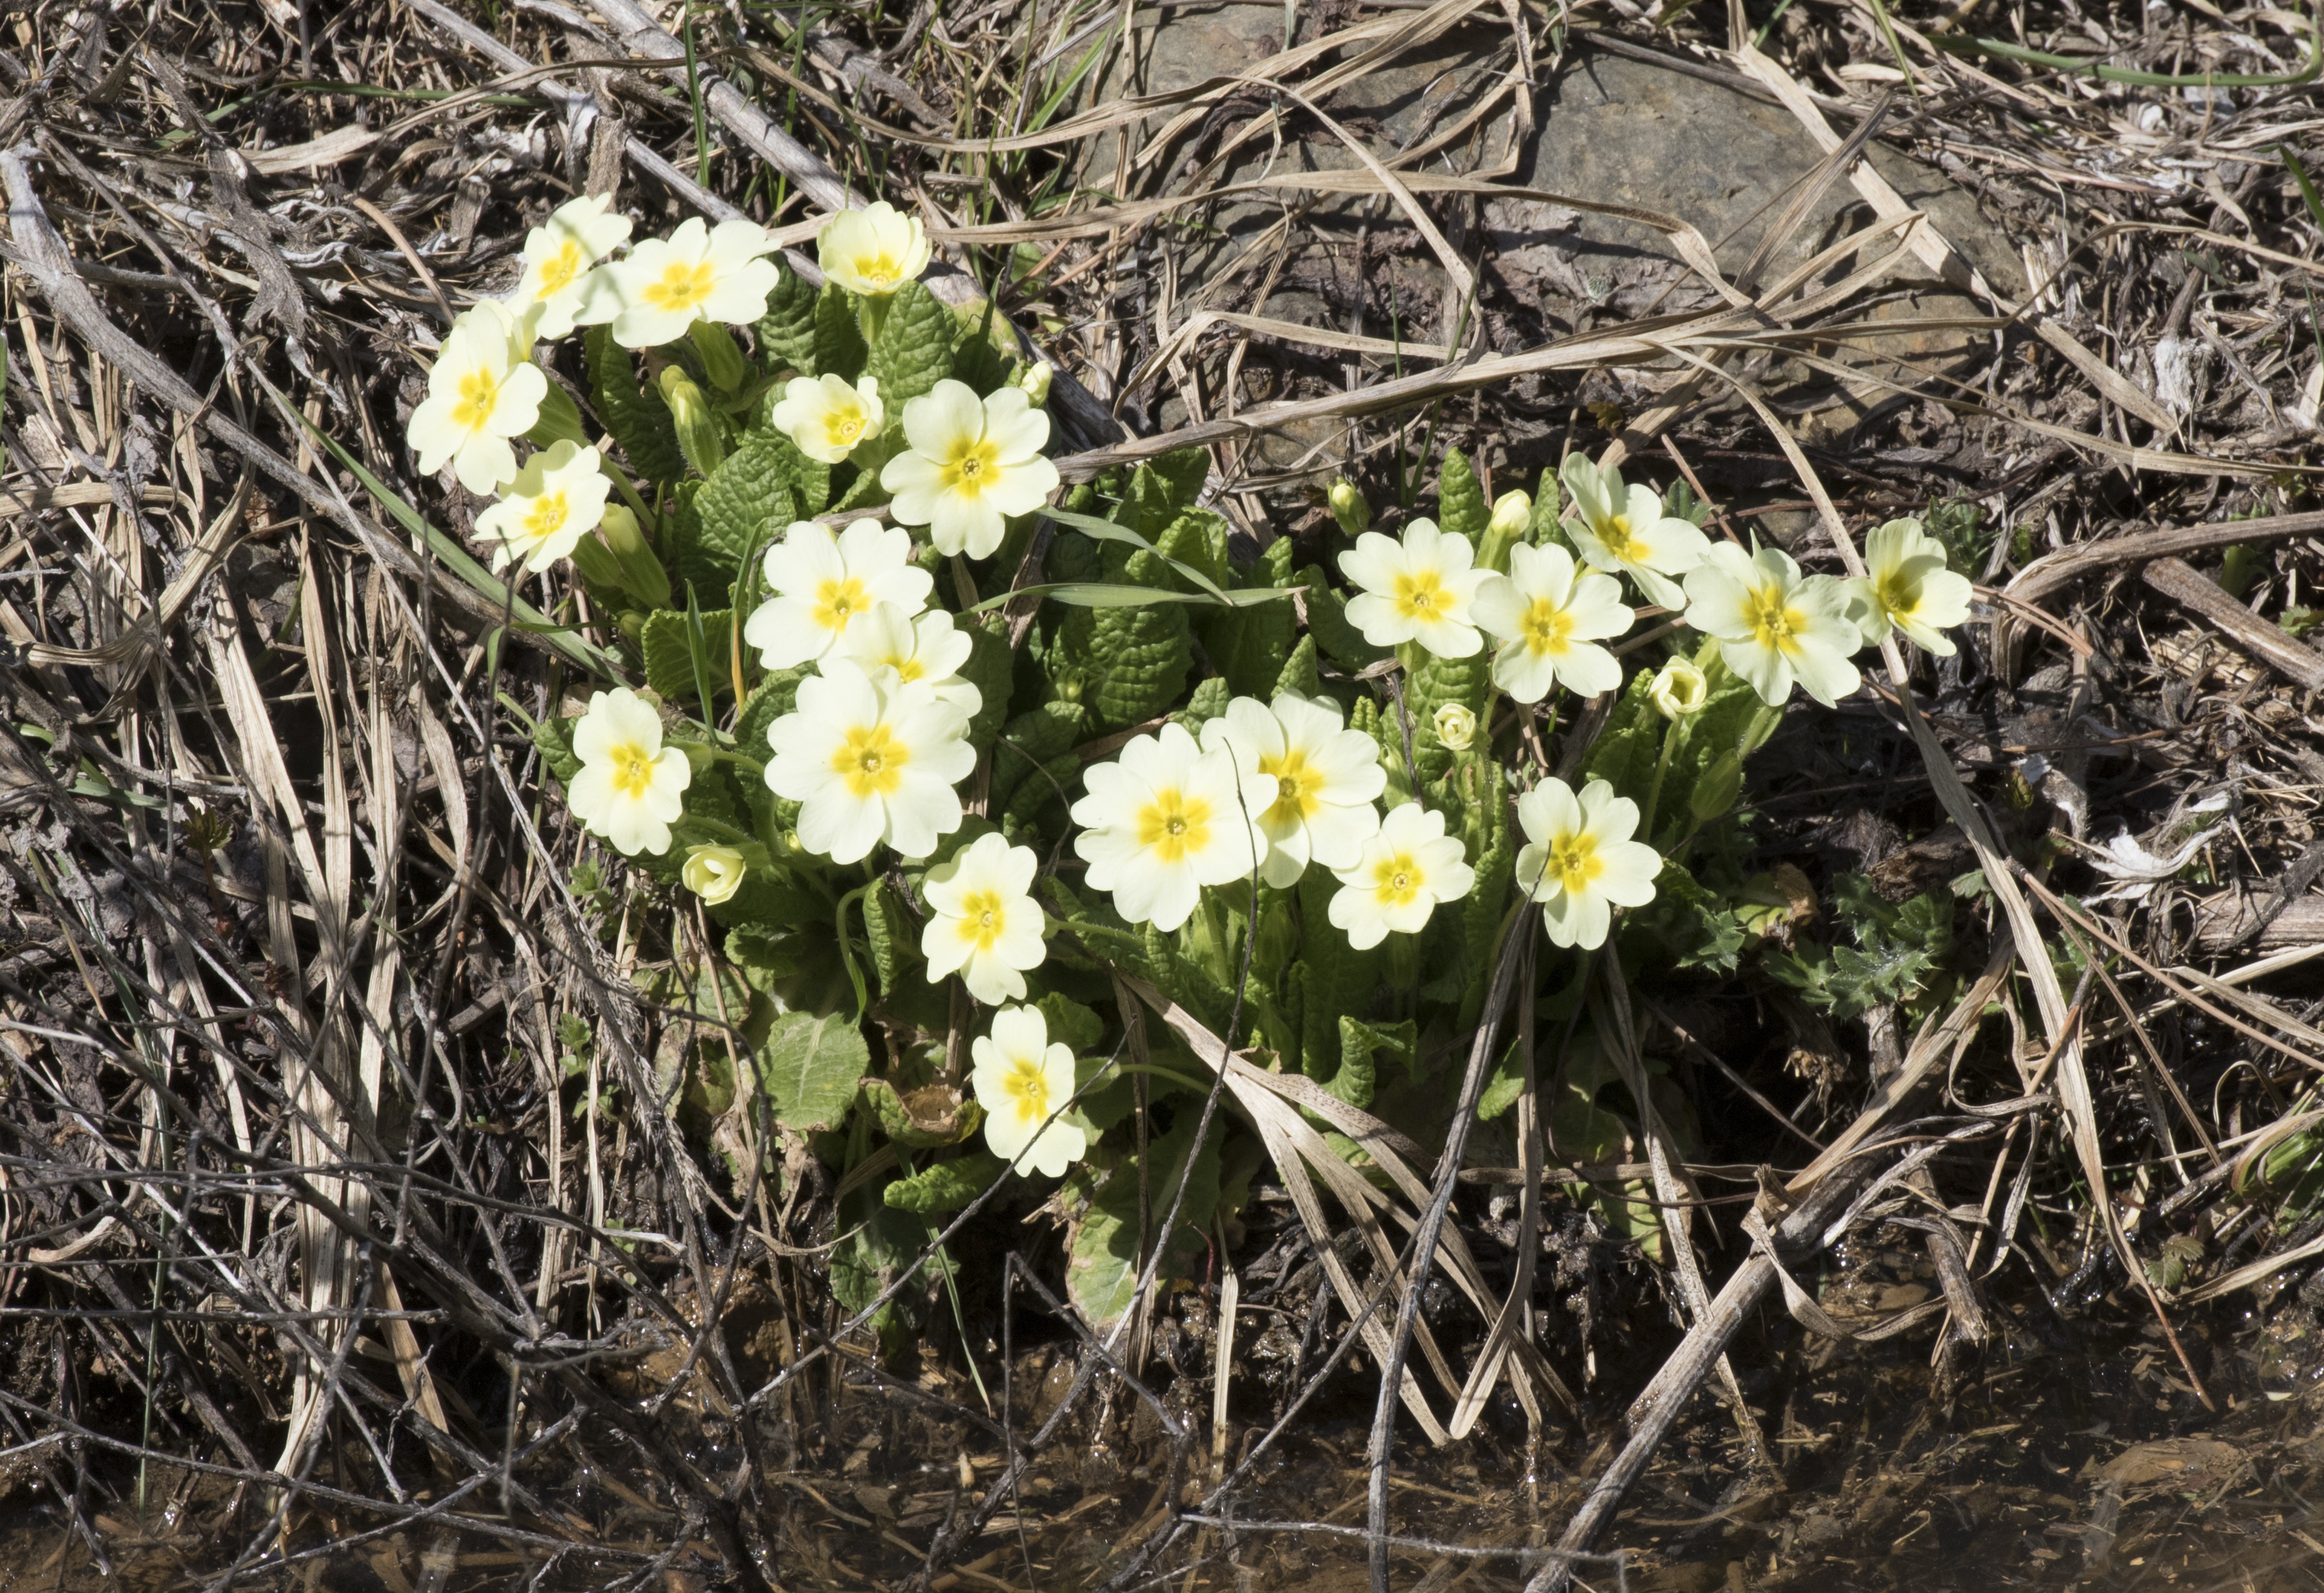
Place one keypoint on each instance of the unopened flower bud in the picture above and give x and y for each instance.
(1035, 382)
(641, 574)
(632, 625)
(713, 873)
(1680, 689)
(620, 527)
(699, 437)
(1512, 512)
(1717, 788)
(560, 420)
(1349, 508)
(722, 357)
(1456, 727)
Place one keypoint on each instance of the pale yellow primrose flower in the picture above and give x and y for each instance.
(1419, 589)
(1907, 586)
(1326, 779)
(1512, 512)
(874, 251)
(483, 389)
(1626, 529)
(1408, 866)
(1021, 1081)
(869, 766)
(1165, 819)
(826, 416)
(631, 785)
(972, 464)
(713, 873)
(1775, 626)
(1455, 724)
(1679, 690)
(1545, 615)
(983, 923)
(667, 284)
(897, 648)
(557, 498)
(1579, 860)
(557, 255)
(821, 582)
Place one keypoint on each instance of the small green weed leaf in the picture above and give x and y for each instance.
(944, 1188)
(748, 502)
(786, 331)
(913, 352)
(810, 1066)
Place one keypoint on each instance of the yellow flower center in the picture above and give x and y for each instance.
(1397, 880)
(906, 666)
(480, 394)
(1027, 1088)
(1422, 596)
(1295, 785)
(1616, 534)
(975, 468)
(559, 269)
(1175, 826)
(1898, 593)
(984, 917)
(547, 516)
(682, 286)
(837, 602)
(633, 769)
(872, 761)
(1774, 622)
(1547, 627)
(878, 271)
(1573, 860)
(846, 426)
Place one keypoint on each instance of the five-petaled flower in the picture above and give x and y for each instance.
(1773, 625)
(1022, 1081)
(667, 284)
(1907, 586)
(713, 873)
(630, 786)
(1326, 779)
(1546, 617)
(483, 389)
(826, 416)
(872, 252)
(1408, 866)
(1626, 529)
(1579, 860)
(1165, 820)
(897, 648)
(821, 582)
(557, 255)
(972, 462)
(983, 923)
(557, 498)
(868, 765)
(1420, 589)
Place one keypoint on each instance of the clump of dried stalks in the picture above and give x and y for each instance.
(345, 1204)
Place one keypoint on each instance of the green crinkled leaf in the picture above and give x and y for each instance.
(989, 668)
(1251, 647)
(944, 1188)
(636, 416)
(1197, 538)
(1632, 743)
(748, 502)
(838, 343)
(802, 970)
(667, 645)
(1071, 1022)
(1161, 489)
(1126, 664)
(810, 1065)
(913, 351)
(1437, 683)
(1101, 1269)
(554, 737)
(882, 1241)
(1029, 742)
(786, 331)
(1300, 673)
(1337, 979)
(1361, 1046)
(1208, 701)
(1461, 507)
(1327, 622)
(1049, 783)
(895, 939)
(1490, 837)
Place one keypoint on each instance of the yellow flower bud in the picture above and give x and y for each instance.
(1035, 382)
(1455, 726)
(1349, 508)
(1512, 512)
(1680, 689)
(713, 873)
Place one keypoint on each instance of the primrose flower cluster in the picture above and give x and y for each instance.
(929, 758)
